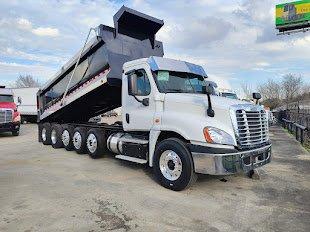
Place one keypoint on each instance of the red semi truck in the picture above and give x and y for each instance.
(9, 115)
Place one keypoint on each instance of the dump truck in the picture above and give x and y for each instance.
(170, 119)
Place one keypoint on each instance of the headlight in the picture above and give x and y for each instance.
(214, 135)
(17, 119)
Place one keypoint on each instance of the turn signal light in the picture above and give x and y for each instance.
(207, 135)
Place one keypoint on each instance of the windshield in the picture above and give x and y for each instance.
(230, 95)
(6, 98)
(179, 82)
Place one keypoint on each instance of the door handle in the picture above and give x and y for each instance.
(127, 118)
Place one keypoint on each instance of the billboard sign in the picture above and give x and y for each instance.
(293, 15)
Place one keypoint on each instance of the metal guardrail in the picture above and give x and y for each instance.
(297, 129)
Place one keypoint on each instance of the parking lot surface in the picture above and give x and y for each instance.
(43, 189)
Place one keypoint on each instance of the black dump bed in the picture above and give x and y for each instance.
(132, 37)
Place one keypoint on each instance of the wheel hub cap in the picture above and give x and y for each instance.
(170, 165)
(92, 143)
(43, 135)
(77, 140)
(65, 137)
(54, 137)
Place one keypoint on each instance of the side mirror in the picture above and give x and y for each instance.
(257, 96)
(145, 102)
(207, 89)
(19, 100)
(131, 83)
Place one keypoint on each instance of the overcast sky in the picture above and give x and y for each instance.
(235, 41)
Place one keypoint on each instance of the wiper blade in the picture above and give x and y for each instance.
(174, 90)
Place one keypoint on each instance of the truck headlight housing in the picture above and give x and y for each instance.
(215, 135)
(17, 118)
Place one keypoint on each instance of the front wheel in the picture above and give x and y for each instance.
(173, 165)
(15, 133)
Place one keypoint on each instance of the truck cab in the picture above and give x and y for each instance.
(9, 115)
(165, 98)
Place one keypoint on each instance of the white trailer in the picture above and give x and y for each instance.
(27, 103)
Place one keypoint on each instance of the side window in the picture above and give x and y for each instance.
(139, 84)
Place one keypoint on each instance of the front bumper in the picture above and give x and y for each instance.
(9, 126)
(215, 161)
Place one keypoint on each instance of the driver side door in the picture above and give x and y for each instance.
(136, 115)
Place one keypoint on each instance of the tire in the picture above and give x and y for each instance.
(15, 133)
(67, 137)
(56, 132)
(46, 134)
(173, 165)
(79, 140)
(96, 143)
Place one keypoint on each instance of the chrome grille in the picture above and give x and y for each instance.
(252, 127)
(6, 115)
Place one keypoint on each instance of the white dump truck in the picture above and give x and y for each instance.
(170, 119)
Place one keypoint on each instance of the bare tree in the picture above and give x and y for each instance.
(271, 93)
(270, 89)
(305, 90)
(247, 90)
(26, 81)
(292, 86)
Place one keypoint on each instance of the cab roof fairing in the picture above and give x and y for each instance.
(160, 63)
(5, 91)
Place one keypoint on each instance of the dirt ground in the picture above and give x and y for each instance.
(43, 189)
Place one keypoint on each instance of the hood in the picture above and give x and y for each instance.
(201, 100)
(188, 113)
(8, 105)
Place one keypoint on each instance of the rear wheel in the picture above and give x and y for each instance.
(79, 140)
(173, 165)
(96, 143)
(67, 137)
(56, 131)
(15, 133)
(46, 134)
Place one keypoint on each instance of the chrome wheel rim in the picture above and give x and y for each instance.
(54, 136)
(170, 165)
(77, 140)
(92, 143)
(43, 134)
(65, 137)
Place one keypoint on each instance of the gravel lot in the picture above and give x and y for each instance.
(43, 189)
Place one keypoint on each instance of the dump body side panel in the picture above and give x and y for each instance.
(96, 85)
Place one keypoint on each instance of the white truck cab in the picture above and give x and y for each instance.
(165, 98)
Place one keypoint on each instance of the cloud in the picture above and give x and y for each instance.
(233, 40)
(12, 70)
(222, 81)
(13, 53)
(198, 33)
(262, 64)
(25, 24)
(45, 31)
